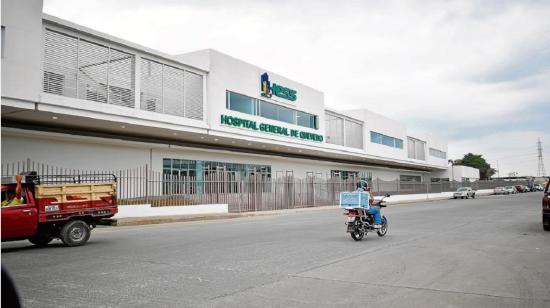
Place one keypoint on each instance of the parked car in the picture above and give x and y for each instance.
(499, 191)
(538, 187)
(526, 188)
(464, 192)
(510, 190)
(546, 208)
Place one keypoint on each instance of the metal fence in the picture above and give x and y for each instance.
(254, 192)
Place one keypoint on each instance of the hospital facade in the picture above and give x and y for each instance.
(77, 98)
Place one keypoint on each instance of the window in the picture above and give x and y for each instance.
(197, 176)
(306, 120)
(277, 112)
(410, 178)
(241, 103)
(386, 140)
(343, 131)
(334, 129)
(268, 111)
(416, 148)
(354, 134)
(171, 90)
(253, 106)
(287, 115)
(349, 175)
(438, 153)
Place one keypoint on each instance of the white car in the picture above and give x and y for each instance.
(464, 193)
(499, 190)
(510, 190)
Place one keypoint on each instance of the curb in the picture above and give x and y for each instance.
(134, 221)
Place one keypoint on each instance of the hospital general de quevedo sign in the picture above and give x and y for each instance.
(269, 128)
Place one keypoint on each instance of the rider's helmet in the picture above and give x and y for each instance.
(362, 185)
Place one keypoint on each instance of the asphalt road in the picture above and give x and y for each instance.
(487, 252)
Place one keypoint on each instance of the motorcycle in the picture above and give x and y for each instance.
(360, 222)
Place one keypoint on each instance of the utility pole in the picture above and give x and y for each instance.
(540, 168)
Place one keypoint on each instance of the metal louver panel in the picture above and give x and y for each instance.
(193, 96)
(121, 78)
(93, 63)
(151, 86)
(354, 134)
(60, 58)
(173, 99)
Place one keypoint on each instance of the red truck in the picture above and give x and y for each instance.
(67, 207)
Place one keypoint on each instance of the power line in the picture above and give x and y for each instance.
(540, 168)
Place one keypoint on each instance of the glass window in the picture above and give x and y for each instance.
(354, 134)
(410, 178)
(268, 110)
(241, 103)
(287, 115)
(438, 153)
(249, 105)
(416, 149)
(334, 129)
(387, 140)
(306, 120)
(398, 143)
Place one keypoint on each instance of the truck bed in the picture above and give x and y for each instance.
(65, 200)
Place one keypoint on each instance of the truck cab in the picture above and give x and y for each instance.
(67, 207)
(18, 221)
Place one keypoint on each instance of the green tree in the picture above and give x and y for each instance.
(477, 161)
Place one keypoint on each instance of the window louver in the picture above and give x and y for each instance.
(151, 86)
(354, 134)
(60, 60)
(121, 78)
(169, 90)
(75, 67)
(173, 98)
(93, 63)
(193, 96)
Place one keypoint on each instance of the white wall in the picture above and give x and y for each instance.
(22, 61)
(90, 153)
(73, 153)
(457, 173)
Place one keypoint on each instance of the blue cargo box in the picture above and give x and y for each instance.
(354, 199)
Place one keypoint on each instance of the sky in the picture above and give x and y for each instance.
(475, 72)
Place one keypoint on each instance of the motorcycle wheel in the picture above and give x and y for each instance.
(384, 228)
(357, 235)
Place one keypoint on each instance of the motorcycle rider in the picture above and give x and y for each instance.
(363, 185)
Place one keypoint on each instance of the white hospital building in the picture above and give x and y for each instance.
(77, 98)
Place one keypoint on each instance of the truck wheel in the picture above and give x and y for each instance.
(75, 233)
(41, 239)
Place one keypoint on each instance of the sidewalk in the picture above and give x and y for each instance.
(393, 200)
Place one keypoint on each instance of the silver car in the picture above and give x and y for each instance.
(499, 190)
(464, 193)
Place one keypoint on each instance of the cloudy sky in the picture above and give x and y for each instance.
(476, 72)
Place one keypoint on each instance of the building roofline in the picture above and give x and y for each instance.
(104, 36)
(212, 50)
